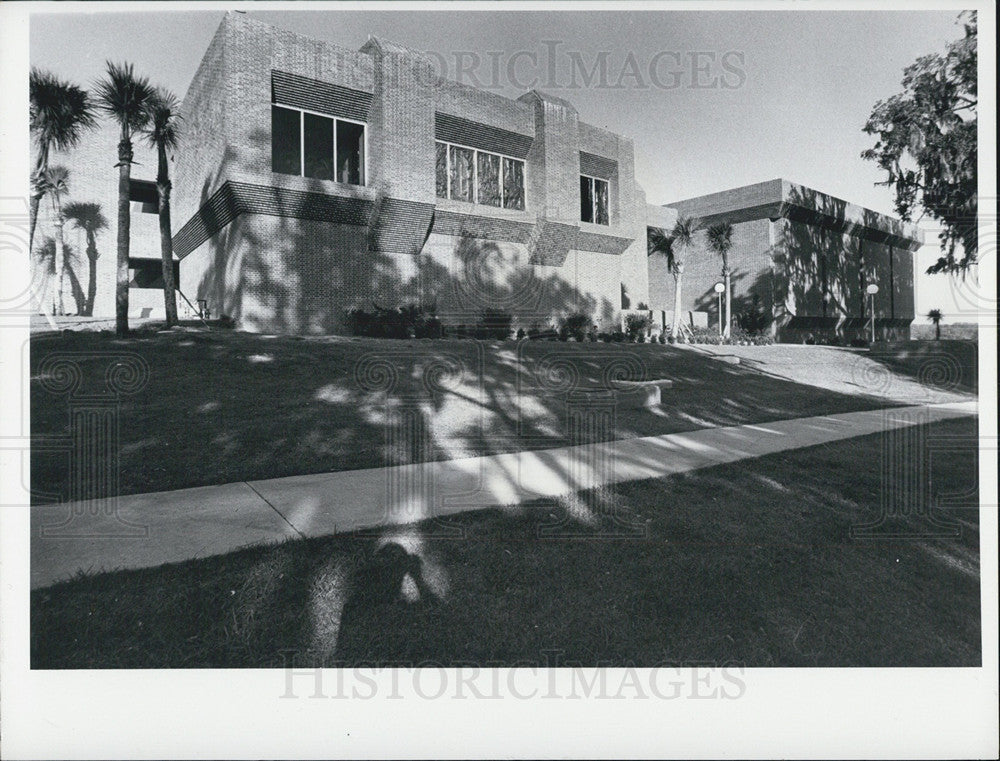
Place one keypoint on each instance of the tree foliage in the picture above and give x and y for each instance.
(926, 144)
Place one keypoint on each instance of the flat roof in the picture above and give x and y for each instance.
(780, 198)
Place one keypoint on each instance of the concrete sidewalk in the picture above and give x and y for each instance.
(143, 530)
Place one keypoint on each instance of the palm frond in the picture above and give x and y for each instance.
(684, 230)
(124, 96)
(164, 119)
(58, 111)
(86, 215)
(720, 238)
(55, 179)
(658, 242)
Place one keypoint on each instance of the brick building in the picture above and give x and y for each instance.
(312, 179)
(802, 258)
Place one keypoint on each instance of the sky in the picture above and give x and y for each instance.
(712, 100)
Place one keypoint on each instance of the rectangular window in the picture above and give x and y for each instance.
(317, 135)
(467, 174)
(316, 146)
(513, 184)
(593, 200)
(350, 153)
(462, 169)
(488, 170)
(286, 154)
(441, 169)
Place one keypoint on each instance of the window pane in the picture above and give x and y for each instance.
(601, 202)
(350, 153)
(586, 200)
(513, 184)
(285, 156)
(318, 136)
(441, 170)
(488, 168)
(461, 173)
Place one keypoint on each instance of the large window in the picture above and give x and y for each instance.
(490, 179)
(593, 200)
(316, 146)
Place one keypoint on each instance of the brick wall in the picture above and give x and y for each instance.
(258, 264)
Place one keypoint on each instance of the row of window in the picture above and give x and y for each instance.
(324, 148)
(320, 147)
(490, 179)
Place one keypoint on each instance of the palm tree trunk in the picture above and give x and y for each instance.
(937, 331)
(124, 225)
(60, 255)
(41, 162)
(675, 327)
(166, 243)
(727, 332)
(35, 202)
(92, 275)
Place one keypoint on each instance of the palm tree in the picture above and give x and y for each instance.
(58, 114)
(682, 238)
(720, 240)
(125, 98)
(935, 316)
(87, 216)
(49, 256)
(162, 134)
(55, 182)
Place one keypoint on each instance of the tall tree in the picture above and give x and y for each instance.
(926, 144)
(720, 240)
(48, 256)
(87, 216)
(125, 98)
(58, 112)
(682, 238)
(55, 182)
(935, 316)
(162, 134)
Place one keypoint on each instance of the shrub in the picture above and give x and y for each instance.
(411, 320)
(636, 325)
(575, 326)
(494, 324)
(521, 334)
(618, 337)
(662, 338)
(859, 343)
(754, 319)
(431, 327)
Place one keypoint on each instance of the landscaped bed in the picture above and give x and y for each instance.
(751, 563)
(225, 406)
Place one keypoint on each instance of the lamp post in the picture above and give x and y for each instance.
(871, 290)
(719, 290)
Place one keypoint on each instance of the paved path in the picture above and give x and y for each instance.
(163, 527)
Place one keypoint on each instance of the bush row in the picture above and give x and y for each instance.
(415, 321)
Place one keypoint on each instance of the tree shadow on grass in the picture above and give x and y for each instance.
(750, 563)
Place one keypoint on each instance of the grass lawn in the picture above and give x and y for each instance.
(225, 406)
(750, 563)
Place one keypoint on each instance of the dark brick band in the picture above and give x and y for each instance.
(323, 97)
(597, 166)
(455, 129)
